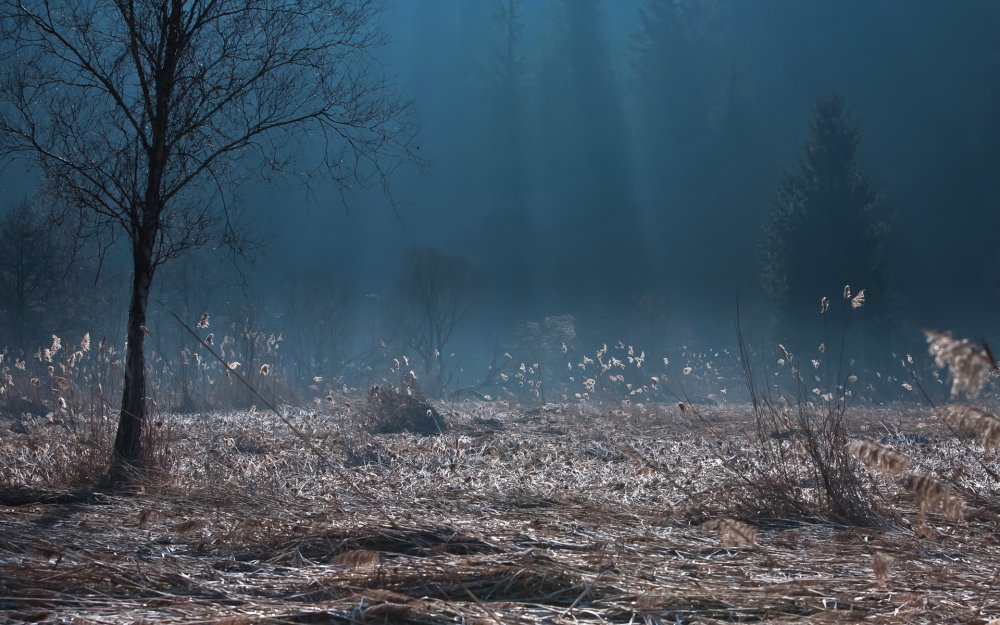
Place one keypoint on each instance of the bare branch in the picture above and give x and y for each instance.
(102, 93)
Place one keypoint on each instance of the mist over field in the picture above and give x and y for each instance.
(499, 311)
(632, 170)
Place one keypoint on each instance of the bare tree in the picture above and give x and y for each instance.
(319, 329)
(435, 293)
(148, 114)
(507, 63)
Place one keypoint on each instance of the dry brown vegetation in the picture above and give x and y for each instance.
(560, 513)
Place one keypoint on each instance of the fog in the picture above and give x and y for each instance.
(620, 163)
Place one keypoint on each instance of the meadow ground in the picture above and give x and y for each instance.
(554, 514)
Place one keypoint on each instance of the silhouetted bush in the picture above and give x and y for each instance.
(393, 410)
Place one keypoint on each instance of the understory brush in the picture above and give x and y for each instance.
(814, 455)
(402, 408)
(798, 465)
(56, 410)
(804, 446)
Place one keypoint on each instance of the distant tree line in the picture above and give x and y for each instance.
(662, 166)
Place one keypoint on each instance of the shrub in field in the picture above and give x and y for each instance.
(402, 408)
(799, 463)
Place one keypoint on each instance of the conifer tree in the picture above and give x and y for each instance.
(827, 227)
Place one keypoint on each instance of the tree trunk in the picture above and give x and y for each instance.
(127, 457)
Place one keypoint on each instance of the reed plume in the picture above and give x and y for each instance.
(966, 362)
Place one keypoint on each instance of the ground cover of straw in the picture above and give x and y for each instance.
(552, 515)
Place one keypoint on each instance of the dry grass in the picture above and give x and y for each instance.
(877, 457)
(554, 515)
(800, 463)
(932, 494)
(974, 421)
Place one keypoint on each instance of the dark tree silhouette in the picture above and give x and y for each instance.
(320, 326)
(435, 294)
(582, 104)
(503, 165)
(148, 115)
(827, 227)
(506, 62)
(32, 268)
(507, 69)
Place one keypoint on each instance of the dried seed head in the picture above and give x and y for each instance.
(877, 457)
(357, 559)
(732, 533)
(933, 495)
(736, 534)
(985, 426)
(967, 364)
(859, 300)
(203, 322)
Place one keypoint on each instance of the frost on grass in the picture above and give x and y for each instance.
(563, 516)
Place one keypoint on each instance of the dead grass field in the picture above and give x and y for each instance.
(551, 515)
